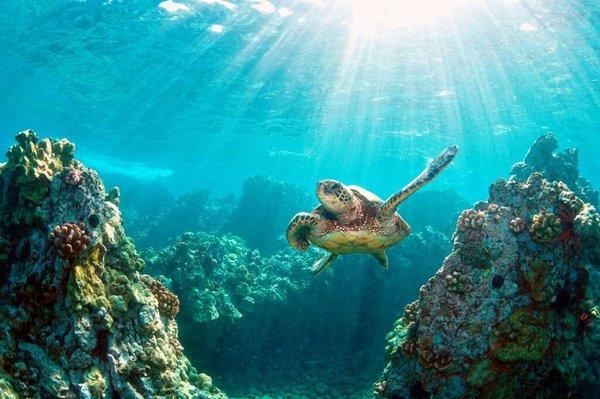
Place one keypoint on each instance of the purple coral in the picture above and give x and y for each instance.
(74, 177)
(471, 223)
(69, 239)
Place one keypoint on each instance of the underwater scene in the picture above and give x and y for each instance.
(298, 199)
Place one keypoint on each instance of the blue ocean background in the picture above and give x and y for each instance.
(203, 94)
(157, 94)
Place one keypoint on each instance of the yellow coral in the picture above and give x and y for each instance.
(95, 382)
(545, 228)
(38, 162)
(86, 287)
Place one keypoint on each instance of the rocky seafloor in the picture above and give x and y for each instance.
(509, 314)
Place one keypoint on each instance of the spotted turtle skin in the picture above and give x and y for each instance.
(366, 233)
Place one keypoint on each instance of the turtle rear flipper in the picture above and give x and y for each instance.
(381, 258)
(431, 171)
(323, 264)
(298, 228)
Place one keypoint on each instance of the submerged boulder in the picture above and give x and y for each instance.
(508, 314)
(555, 166)
(77, 317)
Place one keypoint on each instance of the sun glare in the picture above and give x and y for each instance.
(370, 15)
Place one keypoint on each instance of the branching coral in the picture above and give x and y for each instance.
(545, 228)
(70, 240)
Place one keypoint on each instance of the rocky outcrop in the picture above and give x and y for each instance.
(78, 319)
(508, 314)
(555, 166)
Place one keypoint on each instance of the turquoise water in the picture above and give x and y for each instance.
(152, 93)
(202, 94)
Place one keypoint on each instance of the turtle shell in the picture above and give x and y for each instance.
(365, 234)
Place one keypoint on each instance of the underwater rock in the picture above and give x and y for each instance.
(77, 320)
(220, 277)
(502, 317)
(162, 219)
(555, 166)
(262, 226)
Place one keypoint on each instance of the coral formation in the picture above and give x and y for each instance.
(168, 303)
(219, 276)
(91, 327)
(70, 239)
(555, 166)
(471, 223)
(517, 331)
(517, 225)
(545, 227)
(73, 177)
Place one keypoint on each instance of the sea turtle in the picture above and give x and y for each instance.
(351, 219)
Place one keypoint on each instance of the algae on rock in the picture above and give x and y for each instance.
(526, 326)
(88, 326)
(220, 277)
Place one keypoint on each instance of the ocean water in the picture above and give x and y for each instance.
(183, 103)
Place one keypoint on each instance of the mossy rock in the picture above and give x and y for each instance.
(525, 336)
(95, 382)
(481, 373)
(85, 285)
(6, 389)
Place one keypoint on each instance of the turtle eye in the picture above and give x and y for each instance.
(335, 186)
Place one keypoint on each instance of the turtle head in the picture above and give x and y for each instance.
(335, 196)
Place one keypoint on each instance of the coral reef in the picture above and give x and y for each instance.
(77, 320)
(261, 214)
(70, 240)
(555, 166)
(517, 332)
(155, 222)
(219, 276)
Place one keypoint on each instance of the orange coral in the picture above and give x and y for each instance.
(168, 303)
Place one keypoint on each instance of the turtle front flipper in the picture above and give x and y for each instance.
(323, 264)
(298, 228)
(431, 171)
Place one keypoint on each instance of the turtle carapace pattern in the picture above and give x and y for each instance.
(351, 219)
